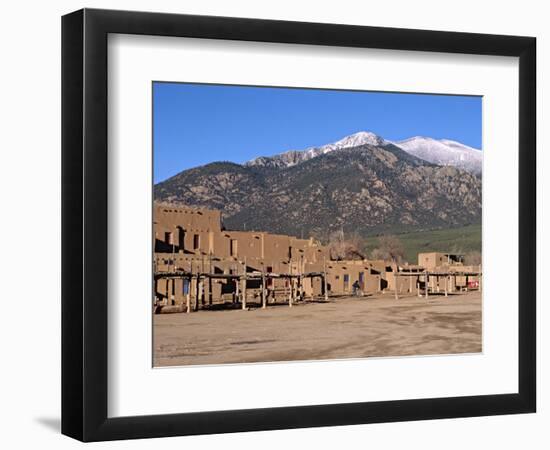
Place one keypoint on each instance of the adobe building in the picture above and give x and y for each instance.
(197, 262)
(448, 273)
(401, 284)
(435, 259)
(192, 242)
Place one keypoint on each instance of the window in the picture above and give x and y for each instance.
(181, 239)
(346, 282)
(196, 241)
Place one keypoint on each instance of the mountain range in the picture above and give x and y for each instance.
(361, 183)
(443, 152)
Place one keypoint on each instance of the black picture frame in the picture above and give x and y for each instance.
(84, 224)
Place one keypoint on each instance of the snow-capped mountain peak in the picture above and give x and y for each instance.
(293, 157)
(443, 152)
(360, 138)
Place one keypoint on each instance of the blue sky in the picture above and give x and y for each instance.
(195, 124)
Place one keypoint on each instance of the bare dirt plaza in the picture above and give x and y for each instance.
(351, 327)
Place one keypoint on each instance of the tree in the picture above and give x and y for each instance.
(389, 248)
(345, 248)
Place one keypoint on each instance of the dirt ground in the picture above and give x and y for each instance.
(340, 328)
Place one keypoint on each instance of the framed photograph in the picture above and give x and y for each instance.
(273, 225)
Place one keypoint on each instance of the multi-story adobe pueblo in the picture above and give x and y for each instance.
(197, 262)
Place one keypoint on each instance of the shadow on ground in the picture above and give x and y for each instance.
(52, 423)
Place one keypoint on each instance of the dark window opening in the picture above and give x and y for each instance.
(181, 239)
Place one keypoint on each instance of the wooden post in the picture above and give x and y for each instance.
(172, 285)
(244, 285)
(466, 283)
(418, 286)
(243, 294)
(263, 290)
(155, 290)
(192, 288)
(197, 293)
(410, 283)
(244, 291)
(427, 284)
(173, 261)
(291, 294)
(325, 284)
(300, 287)
(446, 280)
(210, 283)
(395, 284)
(188, 297)
(290, 284)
